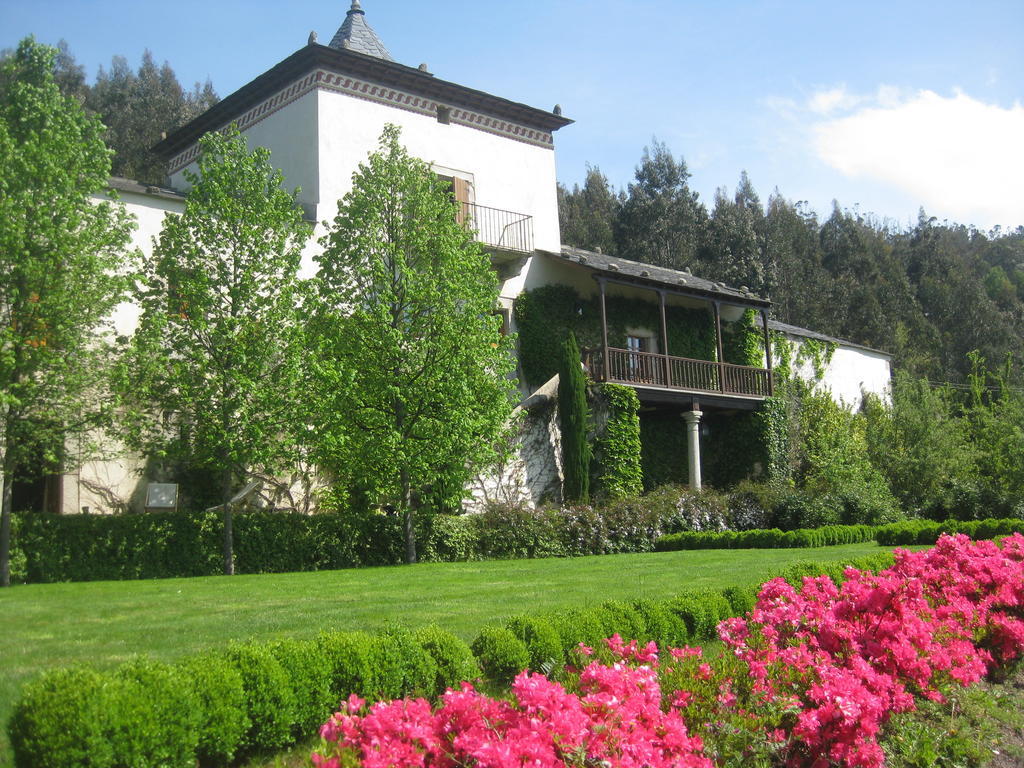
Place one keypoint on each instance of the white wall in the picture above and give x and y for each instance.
(149, 212)
(850, 372)
(507, 174)
(290, 134)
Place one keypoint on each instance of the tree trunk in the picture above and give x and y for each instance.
(5, 525)
(407, 519)
(226, 516)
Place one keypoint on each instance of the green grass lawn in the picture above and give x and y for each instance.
(49, 625)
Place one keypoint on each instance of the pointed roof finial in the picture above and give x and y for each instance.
(356, 35)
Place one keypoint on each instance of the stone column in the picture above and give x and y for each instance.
(692, 419)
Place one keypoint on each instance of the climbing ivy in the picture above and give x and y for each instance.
(663, 448)
(790, 355)
(619, 472)
(545, 316)
(732, 449)
(743, 342)
(818, 353)
(772, 421)
(573, 418)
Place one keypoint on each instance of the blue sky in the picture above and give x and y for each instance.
(884, 106)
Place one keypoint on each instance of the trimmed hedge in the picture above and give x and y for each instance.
(179, 544)
(254, 697)
(216, 707)
(688, 618)
(453, 658)
(222, 720)
(770, 538)
(501, 654)
(159, 545)
(892, 534)
(928, 531)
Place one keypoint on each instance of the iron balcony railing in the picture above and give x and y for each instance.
(494, 227)
(653, 370)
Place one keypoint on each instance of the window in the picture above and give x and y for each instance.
(506, 317)
(642, 366)
(461, 191)
(638, 343)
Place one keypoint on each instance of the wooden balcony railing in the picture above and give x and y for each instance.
(653, 370)
(507, 230)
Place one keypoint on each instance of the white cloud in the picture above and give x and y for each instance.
(828, 101)
(961, 158)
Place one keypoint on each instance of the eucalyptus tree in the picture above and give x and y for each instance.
(137, 106)
(218, 346)
(587, 215)
(661, 221)
(416, 378)
(62, 263)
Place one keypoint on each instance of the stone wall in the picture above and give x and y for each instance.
(532, 473)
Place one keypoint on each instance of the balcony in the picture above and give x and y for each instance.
(499, 229)
(649, 369)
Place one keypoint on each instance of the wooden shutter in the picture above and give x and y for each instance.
(460, 188)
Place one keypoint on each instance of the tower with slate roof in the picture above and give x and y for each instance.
(322, 110)
(356, 35)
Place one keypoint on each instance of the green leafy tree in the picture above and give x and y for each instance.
(62, 259)
(68, 74)
(417, 380)
(834, 464)
(922, 446)
(217, 346)
(995, 411)
(795, 278)
(572, 418)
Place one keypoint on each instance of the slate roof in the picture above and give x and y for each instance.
(794, 330)
(122, 184)
(635, 271)
(350, 62)
(356, 35)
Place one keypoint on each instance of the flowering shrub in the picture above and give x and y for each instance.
(615, 719)
(834, 663)
(807, 680)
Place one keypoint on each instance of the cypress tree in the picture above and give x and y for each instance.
(572, 416)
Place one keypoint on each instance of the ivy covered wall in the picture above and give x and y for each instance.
(736, 447)
(663, 448)
(544, 317)
(743, 341)
(617, 450)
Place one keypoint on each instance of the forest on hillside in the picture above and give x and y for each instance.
(137, 107)
(929, 294)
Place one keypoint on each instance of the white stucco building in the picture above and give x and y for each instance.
(321, 112)
(847, 371)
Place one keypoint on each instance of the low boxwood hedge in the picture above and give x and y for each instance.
(767, 538)
(905, 532)
(927, 531)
